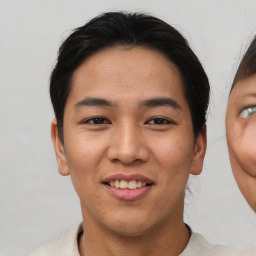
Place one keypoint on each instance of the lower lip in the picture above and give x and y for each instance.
(128, 194)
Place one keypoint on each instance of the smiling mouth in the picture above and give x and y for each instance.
(123, 184)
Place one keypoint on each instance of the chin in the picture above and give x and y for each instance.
(130, 226)
(248, 191)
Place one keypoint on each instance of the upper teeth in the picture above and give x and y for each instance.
(133, 184)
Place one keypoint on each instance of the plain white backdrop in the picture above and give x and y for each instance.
(36, 203)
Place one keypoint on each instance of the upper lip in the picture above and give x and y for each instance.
(127, 177)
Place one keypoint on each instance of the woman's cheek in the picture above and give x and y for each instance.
(245, 148)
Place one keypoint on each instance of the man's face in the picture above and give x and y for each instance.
(241, 136)
(128, 140)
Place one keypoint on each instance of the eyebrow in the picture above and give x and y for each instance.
(153, 102)
(158, 102)
(94, 102)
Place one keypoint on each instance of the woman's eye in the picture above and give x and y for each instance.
(159, 121)
(97, 121)
(247, 112)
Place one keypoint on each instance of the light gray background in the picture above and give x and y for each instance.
(36, 202)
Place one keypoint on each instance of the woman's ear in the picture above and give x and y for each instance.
(59, 149)
(199, 152)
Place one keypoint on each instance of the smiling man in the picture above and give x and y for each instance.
(130, 99)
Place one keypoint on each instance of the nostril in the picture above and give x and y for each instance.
(127, 149)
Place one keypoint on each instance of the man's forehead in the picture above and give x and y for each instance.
(109, 57)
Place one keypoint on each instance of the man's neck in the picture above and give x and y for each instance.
(168, 240)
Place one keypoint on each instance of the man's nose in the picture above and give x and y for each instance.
(128, 145)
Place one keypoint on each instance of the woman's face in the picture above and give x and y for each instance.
(241, 136)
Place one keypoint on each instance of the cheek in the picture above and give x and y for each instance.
(174, 157)
(231, 121)
(83, 154)
(83, 158)
(174, 154)
(242, 144)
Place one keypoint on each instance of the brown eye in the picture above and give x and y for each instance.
(159, 121)
(97, 121)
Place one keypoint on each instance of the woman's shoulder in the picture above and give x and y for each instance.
(65, 245)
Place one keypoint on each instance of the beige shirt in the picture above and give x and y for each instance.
(249, 251)
(66, 245)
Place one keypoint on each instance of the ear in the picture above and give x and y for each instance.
(59, 149)
(199, 152)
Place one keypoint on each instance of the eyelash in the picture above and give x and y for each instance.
(246, 112)
(160, 121)
(99, 120)
(102, 120)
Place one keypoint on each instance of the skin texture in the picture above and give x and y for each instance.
(129, 141)
(241, 137)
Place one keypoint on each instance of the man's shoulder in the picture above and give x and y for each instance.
(65, 245)
(198, 246)
(48, 249)
(248, 251)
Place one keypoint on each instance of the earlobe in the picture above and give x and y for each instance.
(59, 149)
(199, 152)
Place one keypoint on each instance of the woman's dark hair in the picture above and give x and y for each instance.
(247, 66)
(130, 29)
